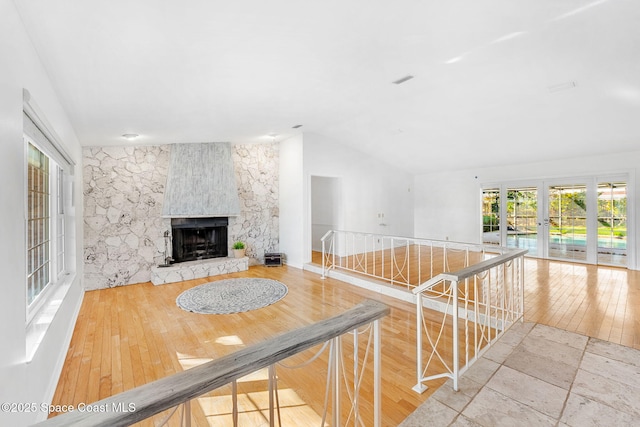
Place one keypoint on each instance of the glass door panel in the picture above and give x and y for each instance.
(491, 216)
(567, 222)
(582, 219)
(522, 218)
(612, 223)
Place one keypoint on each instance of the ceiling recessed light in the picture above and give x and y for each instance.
(402, 80)
(130, 136)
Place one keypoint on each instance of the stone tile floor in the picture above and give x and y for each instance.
(536, 375)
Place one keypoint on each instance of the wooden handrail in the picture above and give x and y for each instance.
(165, 393)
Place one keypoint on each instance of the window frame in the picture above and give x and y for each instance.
(591, 181)
(40, 315)
(56, 240)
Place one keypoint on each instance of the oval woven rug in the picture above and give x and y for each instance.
(232, 296)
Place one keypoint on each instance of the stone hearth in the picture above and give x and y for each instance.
(197, 269)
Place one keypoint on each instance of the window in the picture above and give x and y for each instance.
(47, 170)
(491, 216)
(38, 220)
(50, 261)
(60, 219)
(45, 222)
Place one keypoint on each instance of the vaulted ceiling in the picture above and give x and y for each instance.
(494, 82)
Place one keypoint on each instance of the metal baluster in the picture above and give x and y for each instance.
(323, 260)
(234, 397)
(356, 395)
(187, 413)
(456, 343)
(419, 387)
(377, 387)
(336, 381)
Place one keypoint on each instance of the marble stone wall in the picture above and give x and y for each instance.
(123, 195)
(123, 226)
(256, 167)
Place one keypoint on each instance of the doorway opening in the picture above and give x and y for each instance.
(326, 211)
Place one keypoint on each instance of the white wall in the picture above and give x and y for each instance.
(326, 208)
(369, 188)
(291, 200)
(35, 381)
(447, 204)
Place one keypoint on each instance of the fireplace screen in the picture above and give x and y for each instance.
(199, 238)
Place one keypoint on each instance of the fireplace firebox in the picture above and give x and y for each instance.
(199, 238)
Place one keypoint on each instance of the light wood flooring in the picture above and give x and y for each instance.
(131, 335)
(600, 302)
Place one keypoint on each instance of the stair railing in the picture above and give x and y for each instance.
(488, 297)
(179, 389)
(403, 261)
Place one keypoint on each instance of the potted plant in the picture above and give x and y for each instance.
(238, 249)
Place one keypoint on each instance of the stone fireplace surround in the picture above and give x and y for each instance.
(123, 223)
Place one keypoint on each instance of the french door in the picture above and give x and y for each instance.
(522, 218)
(582, 220)
(612, 222)
(565, 223)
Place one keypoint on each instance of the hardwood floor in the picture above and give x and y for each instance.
(128, 336)
(600, 302)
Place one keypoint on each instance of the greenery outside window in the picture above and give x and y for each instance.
(45, 224)
(491, 216)
(38, 223)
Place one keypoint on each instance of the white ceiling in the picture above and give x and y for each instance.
(483, 93)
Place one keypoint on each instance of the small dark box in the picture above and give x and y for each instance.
(273, 259)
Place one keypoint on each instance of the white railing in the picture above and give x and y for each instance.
(403, 261)
(481, 284)
(487, 298)
(344, 377)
